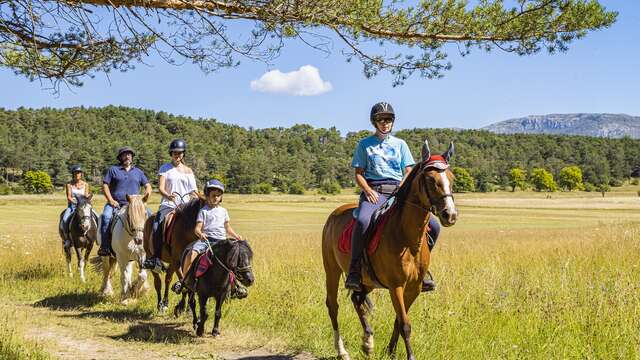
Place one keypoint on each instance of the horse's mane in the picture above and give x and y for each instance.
(136, 211)
(189, 211)
(235, 249)
(403, 192)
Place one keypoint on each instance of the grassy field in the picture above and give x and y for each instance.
(520, 276)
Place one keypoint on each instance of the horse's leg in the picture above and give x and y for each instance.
(167, 281)
(107, 270)
(157, 284)
(216, 322)
(332, 281)
(192, 306)
(125, 279)
(80, 263)
(398, 300)
(202, 300)
(391, 349)
(358, 299)
(180, 306)
(67, 255)
(141, 287)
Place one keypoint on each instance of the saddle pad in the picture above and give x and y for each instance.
(169, 221)
(344, 245)
(203, 264)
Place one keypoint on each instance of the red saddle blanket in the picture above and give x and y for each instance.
(344, 245)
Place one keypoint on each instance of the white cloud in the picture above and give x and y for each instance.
(305, 81)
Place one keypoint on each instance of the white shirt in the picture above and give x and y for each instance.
(76, 192)
(178, 182)
(213, 220)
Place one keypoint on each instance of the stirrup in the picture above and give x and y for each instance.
(353, 281)
(66, 244)
(177, 287)
(104, 252)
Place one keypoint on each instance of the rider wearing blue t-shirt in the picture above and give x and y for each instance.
(121, 180)
(381, 162)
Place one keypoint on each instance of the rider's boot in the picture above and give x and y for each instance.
(354, 278)
(428, 284)
(153, 263)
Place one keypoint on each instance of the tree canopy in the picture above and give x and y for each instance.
(287, 158)
(66, 41)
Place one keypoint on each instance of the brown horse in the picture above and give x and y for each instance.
(182, 234)
(401, 259)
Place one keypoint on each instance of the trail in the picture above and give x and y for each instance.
(104, 335)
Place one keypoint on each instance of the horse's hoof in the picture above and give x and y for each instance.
(344, 356)
(200, 331)
(215, 333)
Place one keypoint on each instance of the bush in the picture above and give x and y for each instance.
(589, 187)
(296, 188)
(18, 190)
(463, 182)
(37, 182)
(262, 188)
(5, 189)
(635, 181)
(330, 187)
(615, 182)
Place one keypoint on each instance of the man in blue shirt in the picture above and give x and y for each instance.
(120, 180)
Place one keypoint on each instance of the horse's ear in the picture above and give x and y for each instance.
(449, 153)
(426, 153)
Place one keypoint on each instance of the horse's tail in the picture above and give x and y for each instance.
(361, 298)
(96, 264)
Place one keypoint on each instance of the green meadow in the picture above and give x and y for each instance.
(521, 275)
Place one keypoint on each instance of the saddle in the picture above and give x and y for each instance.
(201, 265)
(374, 231)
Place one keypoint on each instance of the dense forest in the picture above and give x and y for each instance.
(249, 160)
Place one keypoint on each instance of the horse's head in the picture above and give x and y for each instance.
(136, 217)
(239, 259)
(436, 181)
(83, 211)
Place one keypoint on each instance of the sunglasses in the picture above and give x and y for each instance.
(384, 120)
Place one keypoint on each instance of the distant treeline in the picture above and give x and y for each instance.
(254, 160)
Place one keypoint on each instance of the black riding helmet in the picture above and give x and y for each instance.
(381, 108)
(76, 168)
(123, 150)
(178, 145)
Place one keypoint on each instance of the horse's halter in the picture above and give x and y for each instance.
(130, 229)
(84, 217)
(234, 271)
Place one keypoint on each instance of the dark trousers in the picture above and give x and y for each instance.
(158, 229)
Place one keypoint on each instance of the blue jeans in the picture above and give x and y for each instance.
(105, 226)
(66, 215)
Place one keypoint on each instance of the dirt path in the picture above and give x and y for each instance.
(76, 334)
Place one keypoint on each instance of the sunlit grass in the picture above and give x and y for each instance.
(520, 276)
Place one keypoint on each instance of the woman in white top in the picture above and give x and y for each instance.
(74, 188)
(177, 184)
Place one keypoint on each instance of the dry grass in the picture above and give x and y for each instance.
(520, 276)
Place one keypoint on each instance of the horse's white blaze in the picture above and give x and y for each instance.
(339, 345)
(448, 201)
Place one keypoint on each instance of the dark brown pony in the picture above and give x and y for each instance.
(82, 233)
(182, 234)
(402, 258)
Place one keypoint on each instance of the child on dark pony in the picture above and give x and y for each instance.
(212, 225)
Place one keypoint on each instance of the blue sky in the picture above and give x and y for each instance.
(600, 73)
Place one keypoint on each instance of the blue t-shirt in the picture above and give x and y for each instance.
(382, 159)
(122, 183)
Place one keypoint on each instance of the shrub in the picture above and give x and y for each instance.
(296, 188)
(615, 182)
(589, 187)
(635, 181)
(17, 190)
(5, 189)
(262, 188)
(37, 182)
(463, 182)
(330, 187)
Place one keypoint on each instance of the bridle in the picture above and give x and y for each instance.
(440, 165)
